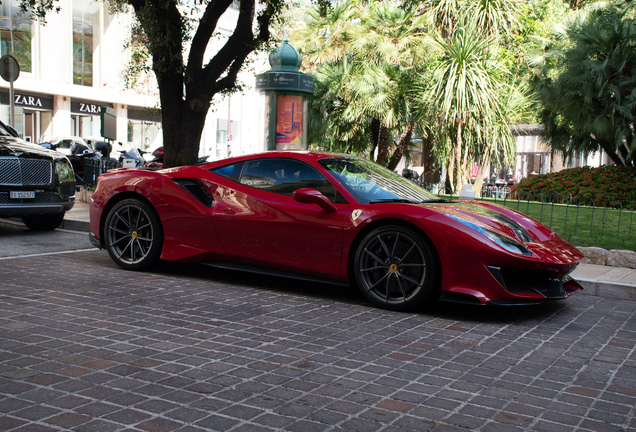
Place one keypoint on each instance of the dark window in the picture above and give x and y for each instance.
(282, 176)
(232, 172)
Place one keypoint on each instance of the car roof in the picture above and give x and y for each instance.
(306, 155)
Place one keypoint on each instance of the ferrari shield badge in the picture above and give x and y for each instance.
(356, 214)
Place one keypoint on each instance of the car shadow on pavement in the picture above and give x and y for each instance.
(498, 314)
(341, 293)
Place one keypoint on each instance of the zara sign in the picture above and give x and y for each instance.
(30, 101)
(87, 108)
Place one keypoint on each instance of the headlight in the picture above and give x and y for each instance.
(507, 243)
(64, 172)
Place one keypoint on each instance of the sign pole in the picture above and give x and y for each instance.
(10, 71)
(11, 94)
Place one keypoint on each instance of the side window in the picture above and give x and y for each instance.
(284, 176)
(232, 172)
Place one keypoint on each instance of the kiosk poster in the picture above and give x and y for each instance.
(289, 119)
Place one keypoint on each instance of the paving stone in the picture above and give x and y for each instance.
(188, 350)
(68, 420)
(159, 425)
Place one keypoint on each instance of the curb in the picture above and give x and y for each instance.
(613, 290)
(75, 225)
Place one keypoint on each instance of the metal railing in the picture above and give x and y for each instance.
(93, 168)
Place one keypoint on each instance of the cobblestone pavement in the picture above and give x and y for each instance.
(86, 346)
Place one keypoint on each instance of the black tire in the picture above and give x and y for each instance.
(395, 269)
(133, 235)
(45, 222)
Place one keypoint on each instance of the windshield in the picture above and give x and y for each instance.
(371, 183)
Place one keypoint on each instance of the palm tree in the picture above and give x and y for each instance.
(468, 87)
(588, 85)
(327, 33)
(380, 47)
(471, 90)
(498, 18)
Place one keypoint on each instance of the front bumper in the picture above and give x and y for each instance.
(534, 282)
(44, 201)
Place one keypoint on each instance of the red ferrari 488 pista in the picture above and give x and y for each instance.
(335, 217)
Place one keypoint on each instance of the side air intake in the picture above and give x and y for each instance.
(197, 190)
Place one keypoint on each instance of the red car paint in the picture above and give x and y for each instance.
(299, 233)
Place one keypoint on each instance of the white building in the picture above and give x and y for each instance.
(534, 156)
(73, 66)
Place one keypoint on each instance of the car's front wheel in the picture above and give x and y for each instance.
(395, 269)
(133, 235)
(45, 222)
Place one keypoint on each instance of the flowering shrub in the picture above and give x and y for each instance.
(603, 186)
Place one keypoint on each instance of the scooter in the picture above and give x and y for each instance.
(131, 157)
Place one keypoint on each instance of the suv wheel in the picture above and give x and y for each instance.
(45, 222)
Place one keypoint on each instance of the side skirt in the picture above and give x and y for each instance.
(270, 272)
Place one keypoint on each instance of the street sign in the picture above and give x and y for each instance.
(9, 68)
(10, 71)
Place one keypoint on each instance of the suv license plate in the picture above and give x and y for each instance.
(22, 194)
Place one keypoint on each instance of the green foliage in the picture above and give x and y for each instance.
(606, 185)
(587, 83)
(364, 58)
(436, 66)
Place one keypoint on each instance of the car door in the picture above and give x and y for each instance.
(259, 221)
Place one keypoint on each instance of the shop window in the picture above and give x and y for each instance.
(15, 34)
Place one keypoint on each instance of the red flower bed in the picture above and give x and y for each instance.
(603, 186)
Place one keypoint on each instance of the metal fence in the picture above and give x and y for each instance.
(92, 169)
(583, 222)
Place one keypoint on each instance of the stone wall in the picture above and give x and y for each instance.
(612, 258)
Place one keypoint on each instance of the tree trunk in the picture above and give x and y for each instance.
(401, 147)
(375, 137)
(184, 138)
(451, 171)
(384, 146)
(465, 169)
(458, 160)
(484, 166)
(182, 122)
(429, 161)
(164, 27)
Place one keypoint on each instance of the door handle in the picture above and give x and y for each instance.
(228, 211)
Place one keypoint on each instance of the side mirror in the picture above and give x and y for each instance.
(312, 196)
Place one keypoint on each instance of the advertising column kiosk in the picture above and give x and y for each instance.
(286, 92)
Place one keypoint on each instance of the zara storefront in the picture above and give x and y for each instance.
(70, 68)
(42, 117)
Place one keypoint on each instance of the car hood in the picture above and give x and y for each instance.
(493, 218)
(10, 146)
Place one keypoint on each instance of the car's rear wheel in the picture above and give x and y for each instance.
(395, 269)
(133, 235)
(45, 222)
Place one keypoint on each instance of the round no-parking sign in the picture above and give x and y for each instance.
(9, 68)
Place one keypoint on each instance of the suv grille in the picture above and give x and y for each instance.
(25, 172)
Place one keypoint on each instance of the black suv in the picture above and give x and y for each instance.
(36, 184)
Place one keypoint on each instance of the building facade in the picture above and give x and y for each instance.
(534, 156)
(73, 65)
